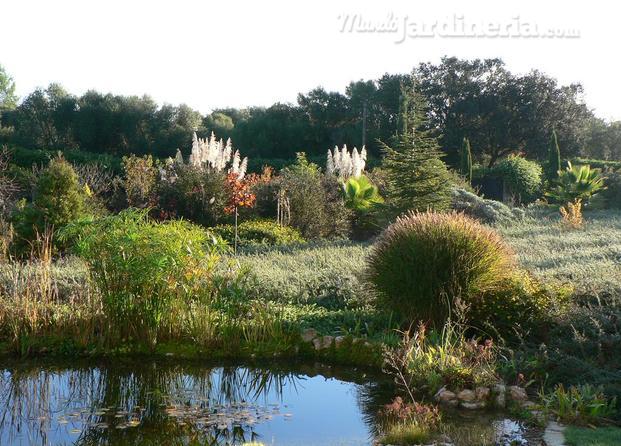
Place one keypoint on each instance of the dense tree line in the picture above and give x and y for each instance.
(498, 111)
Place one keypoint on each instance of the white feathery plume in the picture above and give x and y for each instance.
(345, 164)
(178, 157)
(329, 163)
(242, 168)
(195, 155)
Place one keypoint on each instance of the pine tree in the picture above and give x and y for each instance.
(465, 160)
(554, 159)
(417, 179)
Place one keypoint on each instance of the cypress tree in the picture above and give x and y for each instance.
(554, 158)
(465, 160)
(417, 178)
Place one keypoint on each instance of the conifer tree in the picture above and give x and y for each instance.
(465, 160)
(417, 179)
(554, 159)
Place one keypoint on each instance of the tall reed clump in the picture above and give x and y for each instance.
(427, 265)
(143, 268)
(33, 308)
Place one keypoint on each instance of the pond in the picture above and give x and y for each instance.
(120, 402)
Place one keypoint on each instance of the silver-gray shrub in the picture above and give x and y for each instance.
(487, 211)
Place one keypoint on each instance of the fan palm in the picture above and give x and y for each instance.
(360, 194)
(578, 182)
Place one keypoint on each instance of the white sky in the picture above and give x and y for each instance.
(212, 54)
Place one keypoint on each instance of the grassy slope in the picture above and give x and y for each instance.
(606, 436)
(590, 258)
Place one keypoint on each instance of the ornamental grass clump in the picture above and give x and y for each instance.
(143, 269)
(427, 265)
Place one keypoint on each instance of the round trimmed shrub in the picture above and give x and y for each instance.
(522, 176)
(259, 232)
(424, 264)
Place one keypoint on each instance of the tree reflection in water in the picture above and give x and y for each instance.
(156, 402)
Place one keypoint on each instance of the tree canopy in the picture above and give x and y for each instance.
(497, 111)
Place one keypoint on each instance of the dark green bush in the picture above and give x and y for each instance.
(259, 232)
(58, 200)
(612, 193)
(143, 268)
(522, 177)
(425, 264)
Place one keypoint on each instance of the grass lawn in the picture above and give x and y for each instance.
(603, 436)
(589, 258)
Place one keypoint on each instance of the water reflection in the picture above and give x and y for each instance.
(151, 403)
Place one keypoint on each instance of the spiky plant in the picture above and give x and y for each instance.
(578, 182)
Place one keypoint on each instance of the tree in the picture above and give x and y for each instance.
(417, 179)
(501, 113)
(465, 160)
(8, 99)
(554, 159)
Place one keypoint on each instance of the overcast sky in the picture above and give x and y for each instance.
(212, 54)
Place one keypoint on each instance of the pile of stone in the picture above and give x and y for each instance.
(482, 397)
(310, 335)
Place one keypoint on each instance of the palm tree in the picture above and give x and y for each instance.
(578, 182)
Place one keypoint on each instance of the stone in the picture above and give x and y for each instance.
(472, 406)
(466, 395)
(500, 392)
(499, 388)
(517, 393)
(327, 341)
(323, 342)
(501, 400)
(482, 393)
(451, 403)
(553, 434)
(309, 334)
(338, 341)
(317, 344)
(444, 396)
(528, 405)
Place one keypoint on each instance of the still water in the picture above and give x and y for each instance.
(163, 402)
(146, 402)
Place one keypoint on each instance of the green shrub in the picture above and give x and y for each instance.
(58, 200)
(315, 201)
(523, 177)
(612, 193)
(140, 177)
(198, 195)
(425, 263)
(259, 232)
(141, 268)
